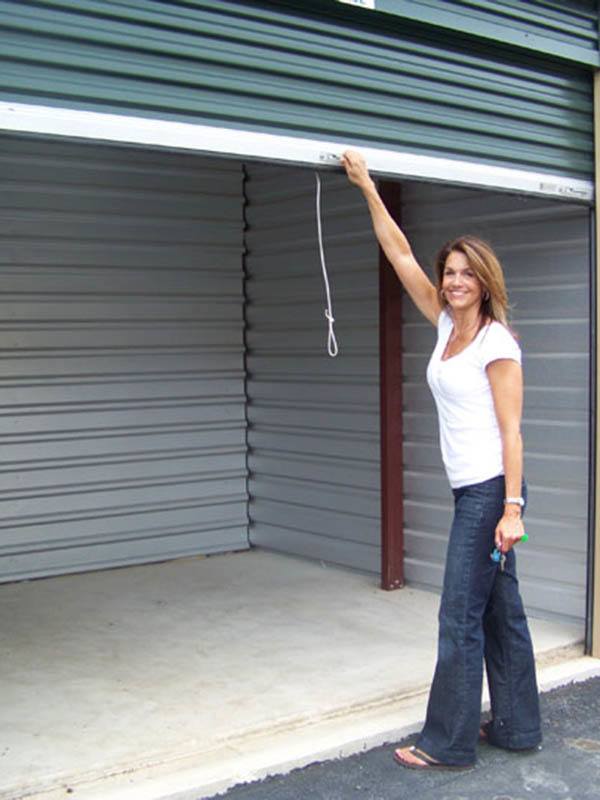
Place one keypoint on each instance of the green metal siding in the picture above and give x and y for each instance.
(560, 28)
(274, 68)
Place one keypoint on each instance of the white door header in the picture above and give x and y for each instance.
(245, 145)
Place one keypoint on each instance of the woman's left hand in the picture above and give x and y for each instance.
(508, 531)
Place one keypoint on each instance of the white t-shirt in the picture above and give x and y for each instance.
(469, 433)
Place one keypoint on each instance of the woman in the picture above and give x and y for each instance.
(475, 377)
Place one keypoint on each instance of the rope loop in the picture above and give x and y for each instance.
(332, 345)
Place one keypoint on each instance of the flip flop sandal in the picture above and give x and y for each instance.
(428, 762)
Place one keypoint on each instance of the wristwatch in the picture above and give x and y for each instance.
(518, 501)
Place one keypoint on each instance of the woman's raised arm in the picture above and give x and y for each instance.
(393, 242)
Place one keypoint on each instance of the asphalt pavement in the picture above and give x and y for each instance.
(567, 767)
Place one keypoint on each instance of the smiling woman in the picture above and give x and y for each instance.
(475, 377)
(460, 289)
(468, 273)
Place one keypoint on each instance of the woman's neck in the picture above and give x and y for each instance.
(465, 322)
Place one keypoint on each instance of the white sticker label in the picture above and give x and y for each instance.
(361, 3)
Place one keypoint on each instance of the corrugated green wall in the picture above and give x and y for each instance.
(337, 73)
(560, 28)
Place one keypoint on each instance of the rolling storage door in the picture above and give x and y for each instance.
(545, 251)
(561, 28)
(122, 434)
(307, 69)
(313, 421)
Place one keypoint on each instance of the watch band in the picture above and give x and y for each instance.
(519, 501)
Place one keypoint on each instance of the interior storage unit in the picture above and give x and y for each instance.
(167, 386)
(123, 435)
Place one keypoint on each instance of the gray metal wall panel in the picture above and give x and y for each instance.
(122, 430)
(316, 70)
(313, 420)
(545, 250)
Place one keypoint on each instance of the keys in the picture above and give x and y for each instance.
(499, 558)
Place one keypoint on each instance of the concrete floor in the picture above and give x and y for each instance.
(114, 682)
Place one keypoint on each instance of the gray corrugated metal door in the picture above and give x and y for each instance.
(313, 420)
(324, 71)
(123, 426)
(545, 249)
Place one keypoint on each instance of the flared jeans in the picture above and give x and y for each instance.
(481, 618)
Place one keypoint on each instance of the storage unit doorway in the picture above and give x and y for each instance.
(169, 387)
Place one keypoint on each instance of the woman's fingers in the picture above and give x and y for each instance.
(355, 166)
(352, 157)
(508, 533)
(354, 161)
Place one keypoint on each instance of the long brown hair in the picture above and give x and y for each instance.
(486, 266)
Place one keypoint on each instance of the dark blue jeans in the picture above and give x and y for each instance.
(481, 617)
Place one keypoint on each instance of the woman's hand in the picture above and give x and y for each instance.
(508, 531)
(356, 169)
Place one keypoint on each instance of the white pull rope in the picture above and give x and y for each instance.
(332, 345)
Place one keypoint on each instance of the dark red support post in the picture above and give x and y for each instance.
(390, 364)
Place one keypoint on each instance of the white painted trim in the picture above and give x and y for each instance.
(226, 142)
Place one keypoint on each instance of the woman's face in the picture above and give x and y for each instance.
(460, 284)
